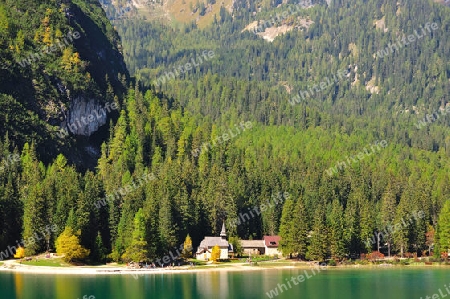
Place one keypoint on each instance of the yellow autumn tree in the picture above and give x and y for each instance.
(19, 42)
(75, 61)
(187, 247)
(70, 61)
(20, 253)
(215, 253)
(69, 245)
(47, 38)
(65, 59)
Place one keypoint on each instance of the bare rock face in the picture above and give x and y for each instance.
(85, 116)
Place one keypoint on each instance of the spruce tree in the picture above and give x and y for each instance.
(137, 250)
(336, 220)
(444, 228)
(319, 247)
(287, 230)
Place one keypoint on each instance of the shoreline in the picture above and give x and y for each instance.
(12, 266)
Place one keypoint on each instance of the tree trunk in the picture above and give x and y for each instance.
(378, 241)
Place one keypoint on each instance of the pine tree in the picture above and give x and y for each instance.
(319, 247)
(287, 228)
(137, 251)
(444, 228)
(387, 215)
(401, 234)
(352, 220)
(87, 221)
(98, 252)
(336, 220)
(300, 229)
(35, 219)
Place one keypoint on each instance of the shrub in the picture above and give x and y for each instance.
(362, 262)
(375, 255)
(20, 253)
(404, 262)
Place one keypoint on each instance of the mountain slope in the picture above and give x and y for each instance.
(60, 60)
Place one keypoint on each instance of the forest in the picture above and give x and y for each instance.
(288, 149)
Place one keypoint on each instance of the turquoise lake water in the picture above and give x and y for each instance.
(398, 283)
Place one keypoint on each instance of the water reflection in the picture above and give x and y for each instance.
(340, 284)
(213, 284)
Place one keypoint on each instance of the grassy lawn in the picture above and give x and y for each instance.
(214, 266)
(198, 262)
(1, 264)
(47, 262)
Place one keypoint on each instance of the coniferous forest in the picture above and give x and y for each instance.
(158, 129)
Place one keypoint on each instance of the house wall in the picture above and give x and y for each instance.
(204, 256)
(223, 253)
(207, 255)
(273, 251)
(253, 251)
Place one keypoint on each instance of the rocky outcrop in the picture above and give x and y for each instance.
(85, 116)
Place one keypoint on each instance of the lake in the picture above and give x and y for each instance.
(377, 283)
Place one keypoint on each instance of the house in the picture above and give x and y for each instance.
(253, 247)
(271, 245)
(205, 248)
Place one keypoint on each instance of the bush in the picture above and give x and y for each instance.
(362, 262)
(404, 262)
(332, 263)
(375, 255)
(348, 262)
(20, 253)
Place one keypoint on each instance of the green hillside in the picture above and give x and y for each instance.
(214, 125)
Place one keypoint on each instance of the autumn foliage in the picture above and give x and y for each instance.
(69, 245)
(20, 253)
(215, 253)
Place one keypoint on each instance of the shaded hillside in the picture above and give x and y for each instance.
(53, 54)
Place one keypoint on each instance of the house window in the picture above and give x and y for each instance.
(273, 243)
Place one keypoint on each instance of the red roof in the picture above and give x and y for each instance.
(272, 241)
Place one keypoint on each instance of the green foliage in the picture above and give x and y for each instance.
(237, 245)
(444, 228)
(294, 228)
(137, 251)
(98, 252)
(336, 224)
(319, 247)
(4, 24)
(53, 60)
(288, 149)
